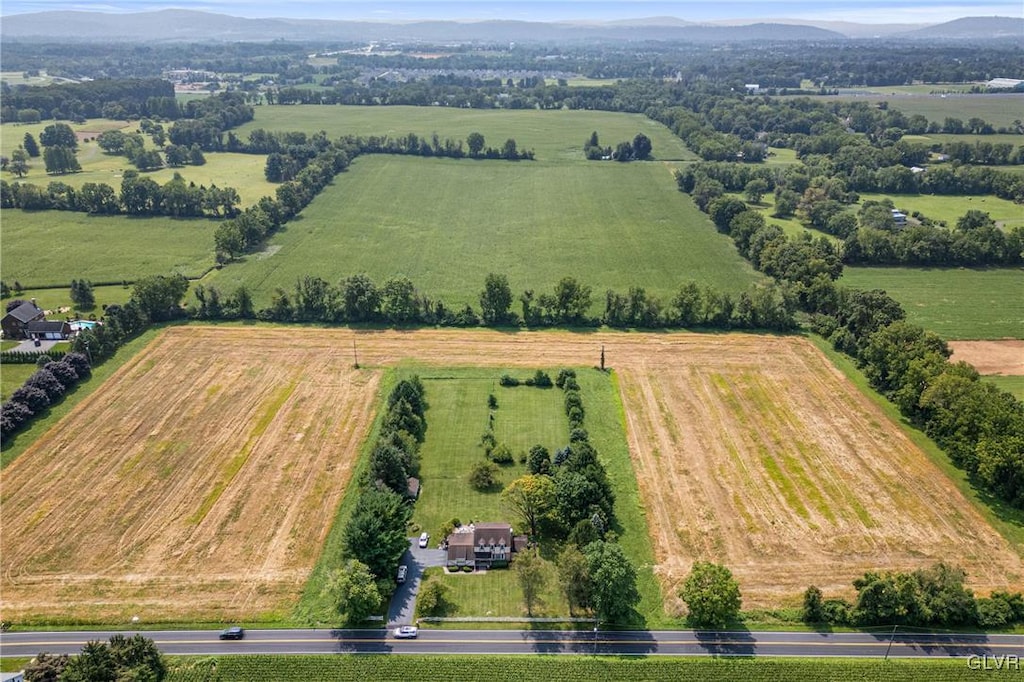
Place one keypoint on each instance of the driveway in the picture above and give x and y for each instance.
(403, 603)
(29, 346)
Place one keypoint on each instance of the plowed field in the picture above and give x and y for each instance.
(202, 477)
(1003, 357)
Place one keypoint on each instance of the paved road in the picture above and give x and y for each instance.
(403, 602)
(663, 643)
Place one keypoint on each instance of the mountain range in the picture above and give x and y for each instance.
(188, 25)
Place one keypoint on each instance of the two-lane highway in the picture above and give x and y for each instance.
(613, 643)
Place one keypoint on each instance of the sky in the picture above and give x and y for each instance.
(860, 11)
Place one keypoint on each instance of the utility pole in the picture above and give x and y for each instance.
(891, 638)
(602, 357)
(355, 355)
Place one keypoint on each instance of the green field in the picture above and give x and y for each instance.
(583, 668)
(447, 223)
(1001, 110)
(955, 303)
(458, 417)
(50, 248)
(555, 136)
(1010, 384)
(497, 594)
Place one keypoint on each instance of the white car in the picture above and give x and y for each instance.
(424, 539)
(406, 632)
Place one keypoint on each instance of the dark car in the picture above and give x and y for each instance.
(233, 633)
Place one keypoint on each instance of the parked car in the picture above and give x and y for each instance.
(233, 633)
(424, 539)
(403, 570)
(406, 632)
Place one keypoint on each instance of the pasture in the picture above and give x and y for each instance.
(50, 248)
(1013, 385)
(447, 223)
(557, 137)
(749, 450)
(999, 109)
(955, 303)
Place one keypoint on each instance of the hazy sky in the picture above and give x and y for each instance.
(863, 11)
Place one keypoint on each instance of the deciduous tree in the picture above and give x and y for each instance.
(712, 595)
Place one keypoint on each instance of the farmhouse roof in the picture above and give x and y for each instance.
(493, 534)
(26, 312)
(44, 326)
(412, 487)
(460, 546)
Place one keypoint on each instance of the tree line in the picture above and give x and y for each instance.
(980, 427)
(43, 388)
(358, 299)
(375, 535)
(927, 597)
(871, 234)
(138, 196)
(107, 98)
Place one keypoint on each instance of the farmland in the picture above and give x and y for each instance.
(231, 483)
(243, 464)
(242, 668)
(50, 248)
(955, 303)
(949, 208)
(557, 137)
(534, 223)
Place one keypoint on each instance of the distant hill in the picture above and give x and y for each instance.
(187, 25)
(973, 28)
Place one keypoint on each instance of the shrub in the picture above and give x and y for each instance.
(433, 599)
(563, 375)
(575, 418)
(35, 399)
(492, 402)
(578, 435)
(508, 380)
(488, 441)
(541, 379)
(484, 477)
(573, 399)
(502, 454)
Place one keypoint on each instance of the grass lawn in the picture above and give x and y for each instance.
(555, 136)
(60, 297)
(458, 416)
(1010, 384)
(955, 303)
(446, 224)
(496, 593)
(50, 248)
(791, 225)
(12, 376)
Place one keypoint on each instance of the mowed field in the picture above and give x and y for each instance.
(555, 136)
(955, 303)
(50, 248)
(202, 477)
(446, 224)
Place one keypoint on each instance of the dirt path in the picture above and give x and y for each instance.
(200, 480)
(1005, 356)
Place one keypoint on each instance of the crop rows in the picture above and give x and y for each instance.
(568, 669)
